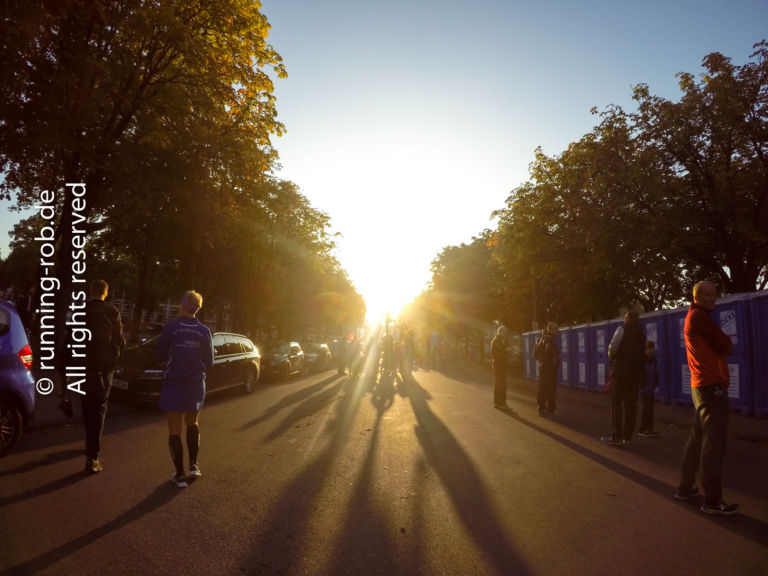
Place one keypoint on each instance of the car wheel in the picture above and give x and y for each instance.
(10, 425)
(250, 380)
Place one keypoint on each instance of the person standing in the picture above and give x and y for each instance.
(706, 347)
(648, 391)
(187, 350)
(499, 361)
(102, 353)
(627, 349)
(548, 357)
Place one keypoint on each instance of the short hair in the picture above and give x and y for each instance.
(192, 301)
(632, 316)
(699, 285)
(98, 289)
(551, 325)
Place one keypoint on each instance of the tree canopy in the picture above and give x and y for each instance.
(633, 213)
(165, 111)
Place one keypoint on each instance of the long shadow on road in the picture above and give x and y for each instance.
(161, 496)
(366, 545)
(464, 486)
(291, 399)
(49, 488)
(741, 524)
(282, 543)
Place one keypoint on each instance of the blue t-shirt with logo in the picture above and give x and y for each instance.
(186, 347)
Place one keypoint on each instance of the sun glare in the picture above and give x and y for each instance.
(380, 303)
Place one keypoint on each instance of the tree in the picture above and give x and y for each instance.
(462, 297)
(647, 203)
(715, 140)
(86, 87)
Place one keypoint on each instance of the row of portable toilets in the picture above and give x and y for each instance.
(744, 317)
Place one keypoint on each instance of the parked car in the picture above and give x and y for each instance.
(17, 385)
(281, 359)
(236, 363)
(317, 356)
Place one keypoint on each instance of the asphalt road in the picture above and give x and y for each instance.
(324, 476)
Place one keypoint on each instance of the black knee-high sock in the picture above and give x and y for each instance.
(177, 452)
(193, 443)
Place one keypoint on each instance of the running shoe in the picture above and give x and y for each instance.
(724, 508)
(180, 480)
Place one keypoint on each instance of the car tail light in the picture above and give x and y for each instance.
(25, 355)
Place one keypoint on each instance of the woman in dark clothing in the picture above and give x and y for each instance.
(627, 369)
(187, 350)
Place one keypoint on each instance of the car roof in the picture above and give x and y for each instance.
(230, 334)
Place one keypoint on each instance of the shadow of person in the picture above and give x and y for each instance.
(56, 485)
(279, 544)
(463, 485)
(291, 399)
(383, 394)
(49, 459)
(163, 494)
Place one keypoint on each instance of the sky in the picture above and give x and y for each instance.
(409, 121)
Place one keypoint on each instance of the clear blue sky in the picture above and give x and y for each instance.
(409, 121)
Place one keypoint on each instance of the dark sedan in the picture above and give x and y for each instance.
(236, 363)
(317, 356)
(281, 359)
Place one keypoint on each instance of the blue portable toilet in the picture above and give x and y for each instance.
(655, 327)
(732, 314)
(529, 364)
(678, 374)
(600, 334)
(564, 372)
(582, 356)
(759, 314)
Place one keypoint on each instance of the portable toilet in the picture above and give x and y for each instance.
(733, 314)
(759, 314)
(564, 373)
(678, 374)
(600, 334)
(529, 364)
(582, 356)
(655, 326)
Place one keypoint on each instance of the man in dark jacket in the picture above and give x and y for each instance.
(627, 369)
(548, 357)
(102, 353)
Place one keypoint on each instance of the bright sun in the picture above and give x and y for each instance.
(379, 304)
(384, 295)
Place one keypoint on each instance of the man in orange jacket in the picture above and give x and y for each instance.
(706, 347)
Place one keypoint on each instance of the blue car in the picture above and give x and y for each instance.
(17, 385)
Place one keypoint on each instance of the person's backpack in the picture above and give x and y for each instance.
(104, 350)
